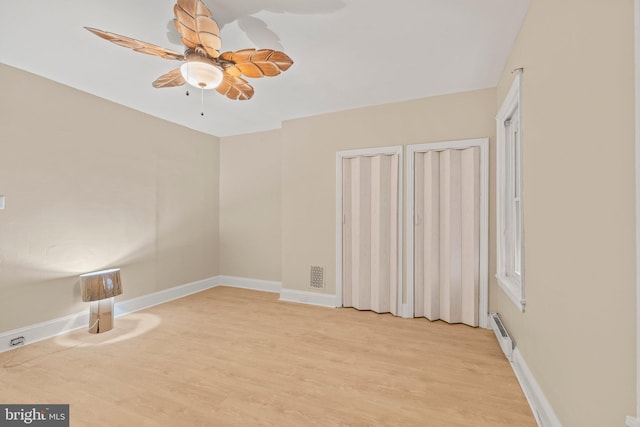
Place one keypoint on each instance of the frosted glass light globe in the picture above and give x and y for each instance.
(201, 73)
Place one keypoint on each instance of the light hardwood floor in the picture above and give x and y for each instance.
(237, 357)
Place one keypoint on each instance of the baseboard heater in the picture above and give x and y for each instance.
(503, 336)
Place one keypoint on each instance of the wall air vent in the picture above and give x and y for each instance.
(316, 279)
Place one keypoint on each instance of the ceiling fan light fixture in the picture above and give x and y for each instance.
(201, 73)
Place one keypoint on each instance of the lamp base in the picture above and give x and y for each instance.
(101, 316)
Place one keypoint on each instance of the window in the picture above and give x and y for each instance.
(510, 271)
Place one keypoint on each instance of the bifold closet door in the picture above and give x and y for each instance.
(447, 235)
(370, 233)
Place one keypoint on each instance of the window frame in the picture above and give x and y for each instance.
(509, 191)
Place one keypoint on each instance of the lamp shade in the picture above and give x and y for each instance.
(100, 284)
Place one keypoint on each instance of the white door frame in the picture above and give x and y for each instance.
(483, 295)
(397, 149)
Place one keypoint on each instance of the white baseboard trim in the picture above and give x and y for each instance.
(542, 409)
(149, 300)
(304, 297)
(61, 325)
(246, 283)
(43, 330)
(633, 422)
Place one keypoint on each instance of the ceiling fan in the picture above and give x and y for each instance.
(204, 66)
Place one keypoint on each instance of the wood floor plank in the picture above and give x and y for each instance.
(231, 356)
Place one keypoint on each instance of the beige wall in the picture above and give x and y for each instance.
(91, 184)
(309, 148)
(250, 206)
(577, 334)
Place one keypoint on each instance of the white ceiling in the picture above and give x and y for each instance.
(347, 53)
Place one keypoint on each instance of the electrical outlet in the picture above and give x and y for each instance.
(16, 341)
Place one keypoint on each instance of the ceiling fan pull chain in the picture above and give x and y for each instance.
(187, 74)
(202, 102)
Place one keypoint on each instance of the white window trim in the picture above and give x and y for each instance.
(511, 286)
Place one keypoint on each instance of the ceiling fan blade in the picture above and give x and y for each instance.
(259, 63)
(234, 87)
(137, 45)
(171, 79)
(233, 70)
(197, 27)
